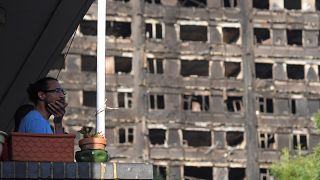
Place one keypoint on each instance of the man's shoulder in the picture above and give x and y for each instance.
(34, 122)
(34, 114)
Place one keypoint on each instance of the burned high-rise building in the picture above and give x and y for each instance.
(176, 73)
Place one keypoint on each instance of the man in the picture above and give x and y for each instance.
(49, 99)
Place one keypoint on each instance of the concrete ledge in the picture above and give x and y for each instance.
(75, 170)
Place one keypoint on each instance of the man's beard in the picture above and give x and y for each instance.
(47, 106)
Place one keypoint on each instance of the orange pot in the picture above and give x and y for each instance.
(41, 147)
(92, 143)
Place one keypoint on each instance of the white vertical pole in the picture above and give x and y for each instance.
(101, 54)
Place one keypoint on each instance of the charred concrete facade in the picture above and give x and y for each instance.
(175, 83)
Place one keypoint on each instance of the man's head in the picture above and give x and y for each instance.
(46, 90)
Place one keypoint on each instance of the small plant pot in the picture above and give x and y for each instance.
(92, 143)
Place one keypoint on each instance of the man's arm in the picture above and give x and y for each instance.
(58, 129)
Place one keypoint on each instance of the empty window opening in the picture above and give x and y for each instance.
(231, 69)
(230, 3)
(196, 138)
(317, 5)
(230, 35)
(263, 70)
(262, 36)
(237, 173)
(124, 99)
(125, 135)
(267, 141)
(122, 135)
(265, 105)
(193, 3)
(300, 140)
(88, 63)
(118, 29)
(88, 27)
(113, 28)
(148, 30)
(234, 138)
(122, 65)
(157, 136)
(159, 172)
(318, 38)
(153, 1)
(154, 31)
(125, 1)
(196, 103)
(292, 4)
(155, 66)
(265, 174)
(319, 68)
(130, 135)
(159, 34)
(191, 172)
(260, 4)
(294, 37)
(156, 101)
(295, 71)
(292, 105)
(89, 98)
(234, 103)
(193, 33)
(194, 68)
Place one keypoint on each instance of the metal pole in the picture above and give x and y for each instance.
(101, 54)
(252, 170)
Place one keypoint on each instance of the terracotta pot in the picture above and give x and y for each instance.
(92, 143)
(42, 147)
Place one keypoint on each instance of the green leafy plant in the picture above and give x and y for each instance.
(298, 166)
(87, 132)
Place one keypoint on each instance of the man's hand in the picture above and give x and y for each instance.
(57, 109)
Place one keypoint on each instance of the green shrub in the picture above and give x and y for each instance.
(299, 167)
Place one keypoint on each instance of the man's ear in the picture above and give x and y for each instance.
(41, 96)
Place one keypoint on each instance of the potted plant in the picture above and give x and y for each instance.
(91, 140)
(92, 146)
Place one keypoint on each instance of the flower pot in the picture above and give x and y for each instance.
(92, 143)
(42, 147)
